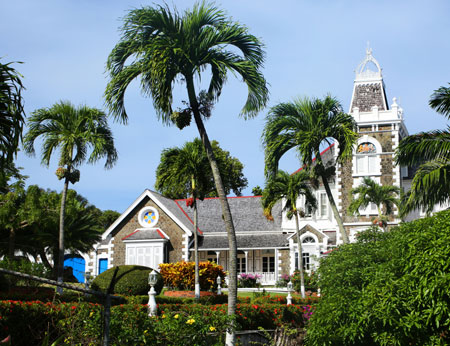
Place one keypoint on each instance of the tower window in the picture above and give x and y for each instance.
(366, 158)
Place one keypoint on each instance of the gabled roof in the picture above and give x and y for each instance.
(327, 155)
(146, 234)
(247, 213)
(166, 204)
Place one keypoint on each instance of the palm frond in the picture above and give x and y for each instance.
(440, 101)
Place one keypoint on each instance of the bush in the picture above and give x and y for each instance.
(180, 275)
(310, 281)
(127, 280)
(387, 289)
(24, 266)
(248, 280)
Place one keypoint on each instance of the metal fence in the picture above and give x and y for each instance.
(42, 328)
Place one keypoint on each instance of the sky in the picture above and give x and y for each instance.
(312, 49)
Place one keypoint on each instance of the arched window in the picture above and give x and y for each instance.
(366, 158)
(308, 240)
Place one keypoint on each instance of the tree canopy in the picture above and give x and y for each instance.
(178, 165)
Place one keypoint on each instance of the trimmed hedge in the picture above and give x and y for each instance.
(128, 280)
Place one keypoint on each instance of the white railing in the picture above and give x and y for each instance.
(266, 278)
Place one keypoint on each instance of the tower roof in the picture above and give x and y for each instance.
(368, 89)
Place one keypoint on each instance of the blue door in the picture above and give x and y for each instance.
(78, 265)
(102, 265)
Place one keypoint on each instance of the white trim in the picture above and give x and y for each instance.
(150, 195)
(142, 213)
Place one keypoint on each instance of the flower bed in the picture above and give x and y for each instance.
(187, 294)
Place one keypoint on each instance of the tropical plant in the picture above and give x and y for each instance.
(307, 125)
(72, 130)
(163, 46)
(431, 152)
(388, 288)
(289, 188)
(381, 195)
(12, 114)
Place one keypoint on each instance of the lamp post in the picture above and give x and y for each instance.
(219, 288)
(289, 297)
(152, 280)
(87, 281)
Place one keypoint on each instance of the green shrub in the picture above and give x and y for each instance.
(309, 279)
(127, 280)
(24, 266)
(389, 288)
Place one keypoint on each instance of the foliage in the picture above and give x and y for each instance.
(249, 280)
(12, 113)
(310, 281)
(180, 275)
(387, 289)
(178, 166)
(306, 125)
(257, 191)
(126, 279)
(24, 266)
(431, 152)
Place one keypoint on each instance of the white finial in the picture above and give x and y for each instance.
(395, 102)
(363, 72)
(368, 49)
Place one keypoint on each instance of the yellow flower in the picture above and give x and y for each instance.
(163, 316)
(176, 316)
(212, 328)
(190, 321)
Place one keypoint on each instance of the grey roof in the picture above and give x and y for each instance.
(144, 234)
(253, 241)
(247, 213)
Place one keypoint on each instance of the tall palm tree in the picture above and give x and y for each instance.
(74, 131)
(289, 188)
(306, 125)
(186, 168)
(381, 195)
(12, 115)
(431, 152)
(163, 46)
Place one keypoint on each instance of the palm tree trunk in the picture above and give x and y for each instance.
(335, 211)
(300, 257)
(197, 275)
(44, 259)
(226, 212)
(61, 233)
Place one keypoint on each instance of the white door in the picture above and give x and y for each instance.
(149, 255)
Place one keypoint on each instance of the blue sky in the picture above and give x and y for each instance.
(313, 48)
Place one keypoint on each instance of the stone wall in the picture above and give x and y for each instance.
(285, 261)
(131, 223)
(368, 95)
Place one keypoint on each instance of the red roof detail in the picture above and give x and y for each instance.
(181, 208)
(184, 199)
(129, 235)
(314, 159)
(160, 233)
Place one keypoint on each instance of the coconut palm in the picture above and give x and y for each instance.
(381, 195)
(12, 114)
(74, 131)
(186, 168)
(289, 188)
(306, 125)
(431, 152)
(163, 46)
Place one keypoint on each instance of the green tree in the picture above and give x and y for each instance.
(381, 195)
(12, 114)
(388, 288)
(289, 188)
(74, 131)
(187, 171)
(163, 47)
(431, 152)
(306, 125)
(257, 191)
(230, 167)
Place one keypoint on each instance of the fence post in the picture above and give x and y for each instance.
(107, 318)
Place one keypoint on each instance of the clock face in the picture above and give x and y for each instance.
(148, 217)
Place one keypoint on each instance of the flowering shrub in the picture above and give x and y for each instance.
(248, 280)
(310, 281)
(180, 275)
(283, 281)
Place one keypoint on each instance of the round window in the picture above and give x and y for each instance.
(148, 217)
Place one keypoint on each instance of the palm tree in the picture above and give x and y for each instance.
(307, 125)
(431, 152)
(381, 195)
(163, 47)
(186, 168)
(72, 130)
(289, 188)
(12, 114)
